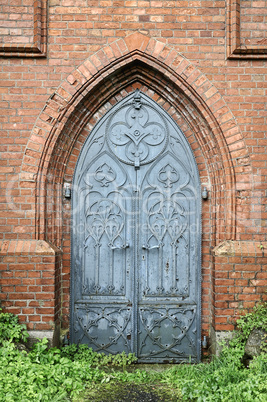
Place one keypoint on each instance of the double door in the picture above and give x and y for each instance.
(135, 283)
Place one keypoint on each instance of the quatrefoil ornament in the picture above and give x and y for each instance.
(136, 132)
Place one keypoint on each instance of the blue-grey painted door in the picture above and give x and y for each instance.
(136, 237)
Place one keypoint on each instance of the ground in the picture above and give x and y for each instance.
(129, 393)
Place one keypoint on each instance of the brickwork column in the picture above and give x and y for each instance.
(30, 285)
(240, 279)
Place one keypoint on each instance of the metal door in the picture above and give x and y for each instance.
(136, 237)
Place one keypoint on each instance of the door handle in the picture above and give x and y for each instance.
(121, 247)
(149, 248)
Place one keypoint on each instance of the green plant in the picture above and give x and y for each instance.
(83, 353)
(42, 375)
(64, 374)
(10, 328)
(264, 344)
(256, 319)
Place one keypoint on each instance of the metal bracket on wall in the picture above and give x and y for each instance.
(67, 191)
(205, 193)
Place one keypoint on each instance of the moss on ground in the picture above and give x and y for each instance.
(120, 392)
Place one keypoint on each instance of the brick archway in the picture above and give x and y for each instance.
(171, 75)
(84, 97)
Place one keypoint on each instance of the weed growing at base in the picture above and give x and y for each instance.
(64, 374)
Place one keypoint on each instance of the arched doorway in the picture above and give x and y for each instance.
(136, 237)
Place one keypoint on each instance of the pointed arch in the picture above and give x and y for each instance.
(182, 89)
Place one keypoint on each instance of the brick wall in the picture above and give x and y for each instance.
(17, 22)
(23, 28)
(239, 280)
(29, 282)
(63, 64)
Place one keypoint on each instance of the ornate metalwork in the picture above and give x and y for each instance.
(136, 237)
(135, 132)
(153, 340)
(104, 327)
(167, 221)
(168, 175)
(105, 227)
(105, 175)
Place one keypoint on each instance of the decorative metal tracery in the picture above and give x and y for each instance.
(138, 138)
(136, 237)
(154, 341)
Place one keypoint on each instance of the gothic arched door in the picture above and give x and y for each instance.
(136, 237)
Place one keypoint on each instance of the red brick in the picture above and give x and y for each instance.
(214, 100)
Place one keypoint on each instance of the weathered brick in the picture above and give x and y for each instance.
(98, 53)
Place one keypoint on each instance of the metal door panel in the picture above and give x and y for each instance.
(166, 238)
(104, 327)
(136, 237)
(167, 333)
(102, 256)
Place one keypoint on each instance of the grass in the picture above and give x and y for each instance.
(78, 374)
